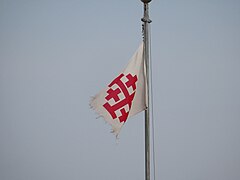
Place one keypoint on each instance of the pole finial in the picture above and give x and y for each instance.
(146, 1)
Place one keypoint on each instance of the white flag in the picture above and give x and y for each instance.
(125, 95)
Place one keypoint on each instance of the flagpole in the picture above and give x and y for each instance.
(146, 21)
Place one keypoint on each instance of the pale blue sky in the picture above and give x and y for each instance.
(56, 54)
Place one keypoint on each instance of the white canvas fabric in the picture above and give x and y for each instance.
(125, 95)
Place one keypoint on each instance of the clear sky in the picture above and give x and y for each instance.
(56, 54)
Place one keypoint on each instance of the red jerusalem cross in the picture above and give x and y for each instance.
(124, 89)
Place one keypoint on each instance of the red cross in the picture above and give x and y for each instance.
(128, 98)
(131, 81)
(124, 115)
(113, 94)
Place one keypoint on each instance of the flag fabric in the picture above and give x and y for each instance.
(125, 95)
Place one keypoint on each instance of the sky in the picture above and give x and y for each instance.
(56, 54)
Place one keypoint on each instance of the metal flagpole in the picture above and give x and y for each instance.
(146, 22)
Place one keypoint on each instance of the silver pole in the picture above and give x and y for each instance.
(146, 22)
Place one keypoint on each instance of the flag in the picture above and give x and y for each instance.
(124, 96)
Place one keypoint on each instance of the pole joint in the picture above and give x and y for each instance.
(146, 18)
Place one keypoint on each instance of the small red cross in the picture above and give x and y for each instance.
(131, 81)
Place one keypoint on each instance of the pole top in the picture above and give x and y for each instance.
(146, 1)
